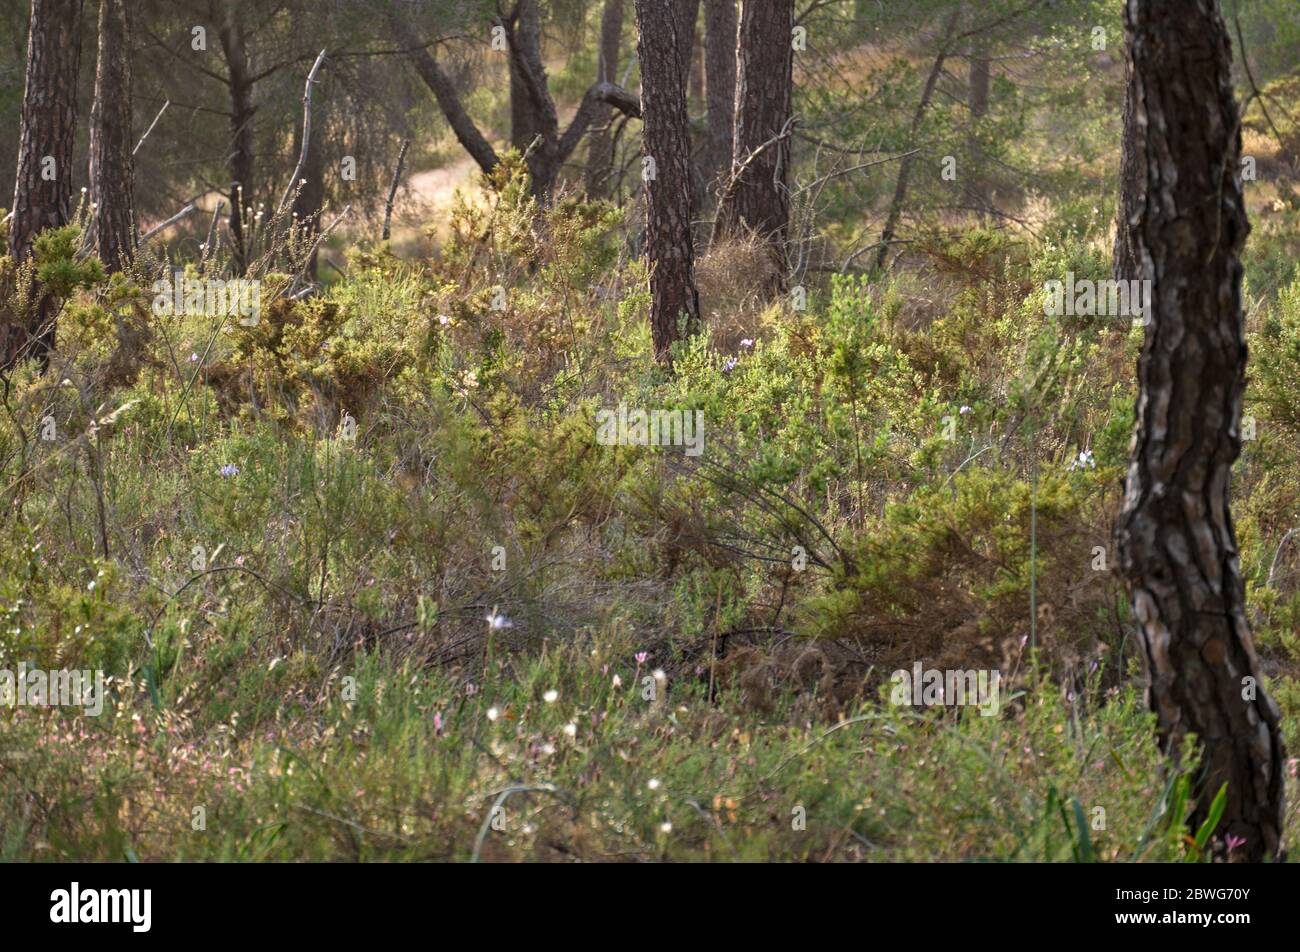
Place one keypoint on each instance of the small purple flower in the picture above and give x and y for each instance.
(229, 470)
(729, 365)
(747, 342)
(642, 656)
(194, 358)
(1234, 842)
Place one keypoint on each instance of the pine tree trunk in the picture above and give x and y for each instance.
(758, 196)
(688, 20)
(534, 121)
(688, 12)
(695, 70)
(675, 304)
(600, 149)
(719, 84)
(1178, 547)
(905, 164)
(112, 174)
(978, 103)
(525, 119)
(444, 91)
(43, 191)
(1131, 184)
(240, 90)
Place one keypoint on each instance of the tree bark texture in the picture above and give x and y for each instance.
(43, 190)
(675, 305)
(757, 198)
(1178, 548)
(112, 171)
(719, 84)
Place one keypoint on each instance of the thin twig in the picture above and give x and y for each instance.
(150, 129)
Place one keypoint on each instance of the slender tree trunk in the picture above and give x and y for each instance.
(675, 305)
(1178, 547)
(525, 118)
(534, 107)
(311, 195)
(720, 84)
(1132, 184)
(978, 104)
(695, 87)
(757, 198)
(688, 12)
(600, 149)
(43, 191)
(444, 92)
(688, 20)
(905, 165)
(112, 172)
(979, 84)
(555, 147)
(240, 90)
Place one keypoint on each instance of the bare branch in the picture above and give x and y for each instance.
(168, 223)
(306, 133)
(599, 94)
(392, 189)
(151, 125)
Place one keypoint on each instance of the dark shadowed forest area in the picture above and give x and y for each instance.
(649, 430)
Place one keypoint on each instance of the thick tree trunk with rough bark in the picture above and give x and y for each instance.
(112, 173)
(719, 84)
(675, 302)
(757, 197)
(43, 191)
(1177, 543)
(600, 148)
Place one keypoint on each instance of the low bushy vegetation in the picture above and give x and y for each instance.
(360, 572)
